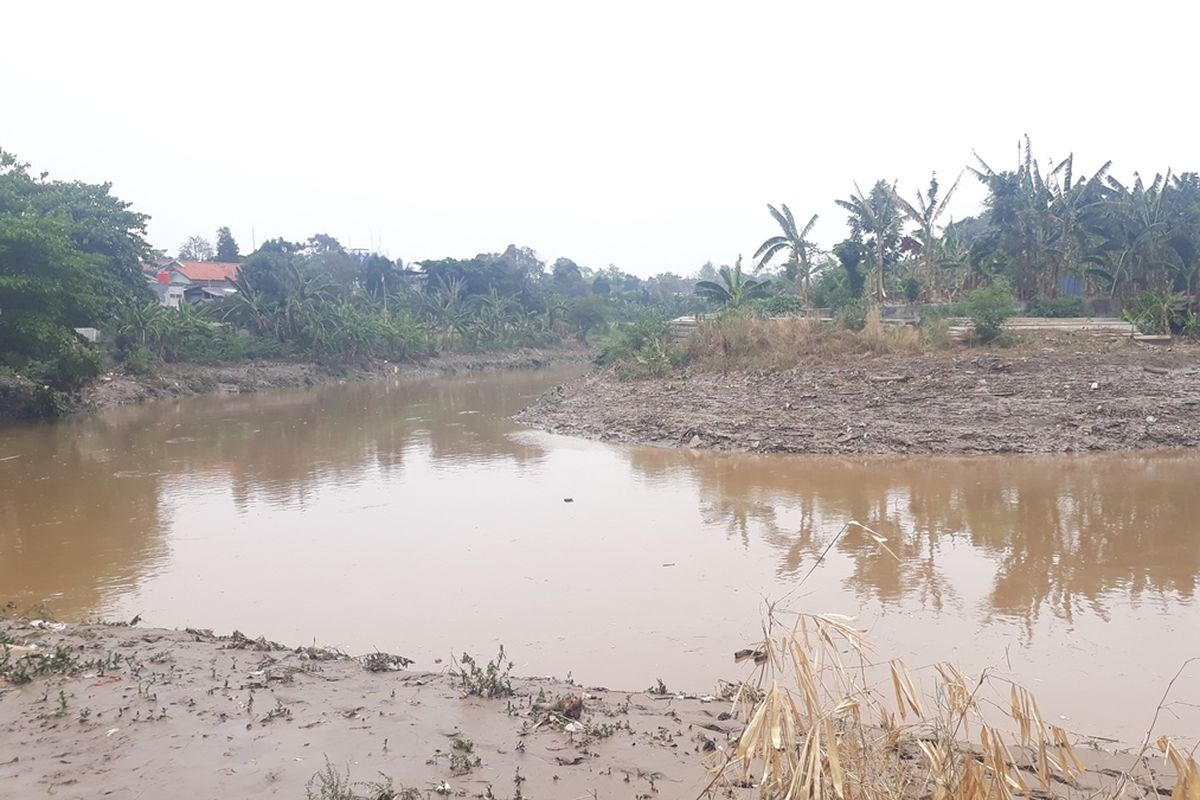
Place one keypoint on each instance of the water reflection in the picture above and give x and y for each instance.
(83, 502)
(1064, 533)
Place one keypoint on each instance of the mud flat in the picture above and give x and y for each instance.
(182, 380)
(1056, 394)
(145, 710)
(126, 712)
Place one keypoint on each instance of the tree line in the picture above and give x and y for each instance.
(72, 256)
(1052, 235)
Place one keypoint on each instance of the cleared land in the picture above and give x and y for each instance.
(1053, 393)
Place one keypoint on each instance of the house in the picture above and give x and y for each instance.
(176, 281)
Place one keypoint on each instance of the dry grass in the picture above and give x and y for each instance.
(827, 720)
(743, 341)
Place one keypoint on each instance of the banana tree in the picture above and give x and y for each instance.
(794, 242)
(876, 216)
(926, 212)
(734, 289)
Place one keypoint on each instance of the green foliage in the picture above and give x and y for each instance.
(1157, 313)
(912, 289)
(227, 246)
(853, 314)
(59, 661)
(630, 340)
(778, 304)
(585, 315)
(657, 357)
(70, 254)
(196, 248)
(21, 398)
(141, 360)
(1056, 307)
(988, 308)
(734, 288)
(493, 679)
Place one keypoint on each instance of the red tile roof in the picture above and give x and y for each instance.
(208, 270)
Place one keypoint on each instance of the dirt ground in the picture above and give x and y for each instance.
(179, 380)
(187, 714)
(135, 713)
(1051, 394)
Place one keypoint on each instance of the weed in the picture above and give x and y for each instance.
(385, 662)
(492, 680)
(659, 688)
(35, 665)
(329, 784)
(988, 309)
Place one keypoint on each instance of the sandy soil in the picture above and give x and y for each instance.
(1055, 394)
(163, 713)
(178, 380)
(207, 717)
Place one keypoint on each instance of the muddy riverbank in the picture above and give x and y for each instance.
(126, 712)
(1055, 394)
(142, 710)
(183, 380)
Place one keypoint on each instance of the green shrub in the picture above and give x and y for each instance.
(832, 290)
(780, 304)
(988, 308)
(141, 361)
(1056, 307)
(1156, 312)
(853, 315)
(630, 340)
(912, 289)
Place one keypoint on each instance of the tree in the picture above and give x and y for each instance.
(793, 241)
(734, 288)
(227, 247)
(925, 213)
(877, 217)
(70, 256)
(196, 248)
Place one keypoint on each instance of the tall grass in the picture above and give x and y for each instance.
(828, 720)
(745, 341)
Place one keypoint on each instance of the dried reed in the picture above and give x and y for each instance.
(824, 721)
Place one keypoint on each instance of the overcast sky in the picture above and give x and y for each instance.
(646, 135)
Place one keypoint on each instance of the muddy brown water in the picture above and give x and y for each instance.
(411, 516)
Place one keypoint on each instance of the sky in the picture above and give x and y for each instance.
(648, 135)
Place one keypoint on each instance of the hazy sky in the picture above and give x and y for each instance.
(647, 135)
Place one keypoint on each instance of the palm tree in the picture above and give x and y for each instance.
(793, 241)
(925, 213)
(876, 215)
(734, 288)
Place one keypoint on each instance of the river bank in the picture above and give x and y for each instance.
(130, 711)
(119, 711)
(20, 399)
(1051, 394)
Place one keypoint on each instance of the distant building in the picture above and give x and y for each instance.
(175, 281)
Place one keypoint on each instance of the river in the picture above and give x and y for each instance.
(411, 516)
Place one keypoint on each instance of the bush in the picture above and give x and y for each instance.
(141, 361)
(853, 315)
(1057, 307)
(912, 289)
(1156, 312)
(988, 308)
(780, 304)
(832, 291)
(632, 339)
